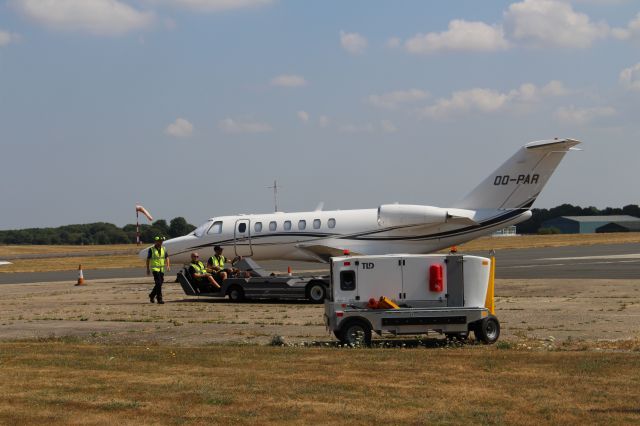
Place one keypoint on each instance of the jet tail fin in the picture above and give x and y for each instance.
(519, 181)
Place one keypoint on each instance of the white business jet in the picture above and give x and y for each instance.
(502, 199)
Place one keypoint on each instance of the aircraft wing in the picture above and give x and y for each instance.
(323, 253)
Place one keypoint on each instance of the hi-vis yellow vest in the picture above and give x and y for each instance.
(219, 262)
(157, 259)
(199, 268)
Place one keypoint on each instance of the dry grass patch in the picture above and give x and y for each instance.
(13, 250)
(60, 382)
(70, 263)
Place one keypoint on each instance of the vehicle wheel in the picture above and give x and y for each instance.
(235, 293)
(316, 292)
(488, 330)
(356, 333)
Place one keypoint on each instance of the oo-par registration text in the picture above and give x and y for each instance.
(521, 179)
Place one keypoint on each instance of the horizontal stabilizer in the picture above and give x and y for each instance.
(562, 144)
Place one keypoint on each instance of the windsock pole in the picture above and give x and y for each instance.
(80, 276)
(137, 229)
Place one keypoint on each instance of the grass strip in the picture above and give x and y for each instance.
(62, 382)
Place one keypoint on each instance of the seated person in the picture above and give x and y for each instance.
(200, 275)
(216, 265)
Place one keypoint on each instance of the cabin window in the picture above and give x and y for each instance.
(316, 223)
(216, 228)
(331, 223)
(273, 226)
(242, 228)
(347, 280)
(302, 225)
(258, 226)
(287, 225)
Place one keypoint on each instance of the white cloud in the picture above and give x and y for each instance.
(303, 116)
(488, 101)
(462, 36)
(353, 42)
(632, 30)
(288, 80)
(100, 17)
(551, 23)
(579, 116)
(323, 121)
(218, 5)
(181, 128)
(7, 38)
(388, 127)
(229, 125)
(391, 100)
(483, 100)
(555, 88)
(630, 77)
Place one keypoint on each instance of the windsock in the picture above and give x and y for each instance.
(144, 211)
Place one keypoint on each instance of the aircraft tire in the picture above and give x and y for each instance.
(488, 330)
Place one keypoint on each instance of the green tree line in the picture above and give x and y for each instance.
(97, 233)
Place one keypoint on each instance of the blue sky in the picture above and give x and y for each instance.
(194, 107)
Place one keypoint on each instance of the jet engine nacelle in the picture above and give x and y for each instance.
(407, 214)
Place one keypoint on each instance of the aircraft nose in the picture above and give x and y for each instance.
(180, 247)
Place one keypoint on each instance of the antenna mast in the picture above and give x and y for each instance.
(275, 194)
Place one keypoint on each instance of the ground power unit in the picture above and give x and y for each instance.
(411, 294)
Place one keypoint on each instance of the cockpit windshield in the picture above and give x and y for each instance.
(202, 229)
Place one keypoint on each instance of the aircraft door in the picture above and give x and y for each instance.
(242, 238)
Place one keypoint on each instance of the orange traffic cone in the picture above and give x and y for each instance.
(289, 270)
(80, 276)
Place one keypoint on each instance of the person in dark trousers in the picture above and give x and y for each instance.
(157, 261)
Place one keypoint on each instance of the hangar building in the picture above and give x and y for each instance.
(593, 224)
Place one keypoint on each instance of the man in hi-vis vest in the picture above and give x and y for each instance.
(157, 261)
